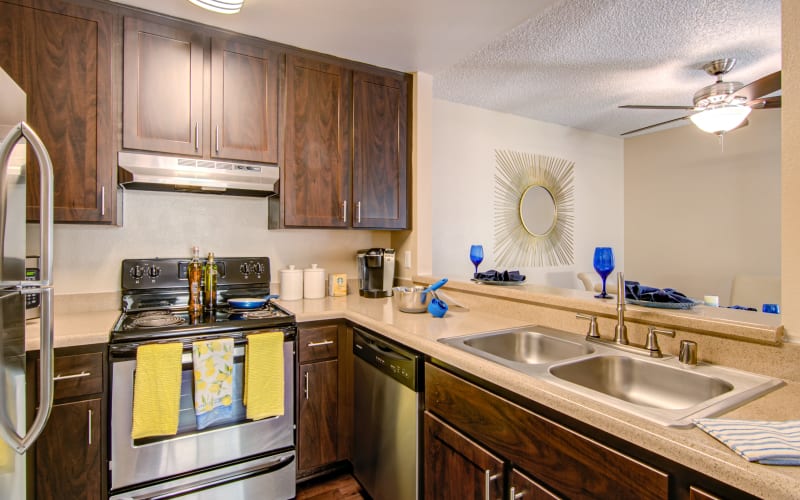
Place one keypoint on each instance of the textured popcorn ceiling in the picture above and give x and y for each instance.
(574, 63)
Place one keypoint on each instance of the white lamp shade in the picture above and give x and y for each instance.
(220, 6)
(720, 119)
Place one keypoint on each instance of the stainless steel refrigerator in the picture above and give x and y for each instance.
(16, 436)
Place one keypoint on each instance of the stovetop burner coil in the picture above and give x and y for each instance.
(155, 319)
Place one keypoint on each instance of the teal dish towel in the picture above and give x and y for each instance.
(765, 442)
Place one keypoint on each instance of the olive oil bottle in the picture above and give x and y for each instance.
(210, 283)
(194, 273)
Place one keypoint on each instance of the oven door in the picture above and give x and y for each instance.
(154, 459)
(253, 479)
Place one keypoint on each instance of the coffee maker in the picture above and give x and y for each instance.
(375, 272)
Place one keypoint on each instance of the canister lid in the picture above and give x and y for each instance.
(314, 269)
(291, 270)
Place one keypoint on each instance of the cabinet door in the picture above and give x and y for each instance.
(68, 460)
(315, 182)
(162, 89)
(317, 414)
(244, 101)
(60, 54)
(457, 468)
(525, 488)
(380, 173)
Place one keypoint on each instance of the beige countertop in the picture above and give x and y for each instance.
(690, 447)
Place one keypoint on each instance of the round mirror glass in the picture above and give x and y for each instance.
(537, 210)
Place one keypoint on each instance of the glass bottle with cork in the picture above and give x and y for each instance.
(194, 272)
(210, 283)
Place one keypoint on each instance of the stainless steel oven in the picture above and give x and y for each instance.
(236, 458)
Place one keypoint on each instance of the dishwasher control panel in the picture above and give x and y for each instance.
(396, 361)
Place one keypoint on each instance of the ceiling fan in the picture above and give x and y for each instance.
(723, 106)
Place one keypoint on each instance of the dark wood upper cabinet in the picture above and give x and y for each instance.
(163, 88)
(244, 101)
(380, 172)
(345, 148)
(60, 54)
(315, 184)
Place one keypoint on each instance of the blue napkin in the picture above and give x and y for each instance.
(765, 442)
(636, 291)
(492, 275)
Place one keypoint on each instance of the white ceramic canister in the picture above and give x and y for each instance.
(291, 283)
(314, 282)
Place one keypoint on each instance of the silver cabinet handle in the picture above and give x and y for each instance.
(102, 200)
(196, 136)
(317, 344)
(216, 134)
(305, 389)
(513, 495)
(358, 212)
(344, 211)
(487, 483)
(74, 375)
(90, 427)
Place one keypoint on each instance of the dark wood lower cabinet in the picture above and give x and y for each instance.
(523, 487)
(68, 454)
(69, 458)
(317, 441)
(562, 460)
(456, 468)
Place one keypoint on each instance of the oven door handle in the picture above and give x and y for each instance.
(187, 489)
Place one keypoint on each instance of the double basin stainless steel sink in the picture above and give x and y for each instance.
(660, 390)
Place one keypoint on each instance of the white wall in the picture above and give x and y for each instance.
(464, 141)
(695, 214)
(88, 258)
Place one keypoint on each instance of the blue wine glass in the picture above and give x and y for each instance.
(476, 255)
(603, 264)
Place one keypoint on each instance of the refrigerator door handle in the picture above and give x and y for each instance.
(18, 132)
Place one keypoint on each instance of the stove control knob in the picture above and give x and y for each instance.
(244, 268)
(137, 272)
(154, 271)
(258, 268)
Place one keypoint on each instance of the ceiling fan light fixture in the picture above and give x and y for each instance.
(220, 6)
(720, 119)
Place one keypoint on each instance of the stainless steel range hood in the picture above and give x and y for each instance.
(163, 173)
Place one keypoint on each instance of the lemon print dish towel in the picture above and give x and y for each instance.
(213, 381)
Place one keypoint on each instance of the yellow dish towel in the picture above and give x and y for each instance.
(263, 375)
(156, 390)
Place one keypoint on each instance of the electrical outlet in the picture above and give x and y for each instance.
(407, 259)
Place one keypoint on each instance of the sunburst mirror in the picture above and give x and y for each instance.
(533, 210)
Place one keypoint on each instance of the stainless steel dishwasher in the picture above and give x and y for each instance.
(388, 415)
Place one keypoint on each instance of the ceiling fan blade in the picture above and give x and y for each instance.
(766, 102)
(759, 88)
(654, 125)
(645, 106)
